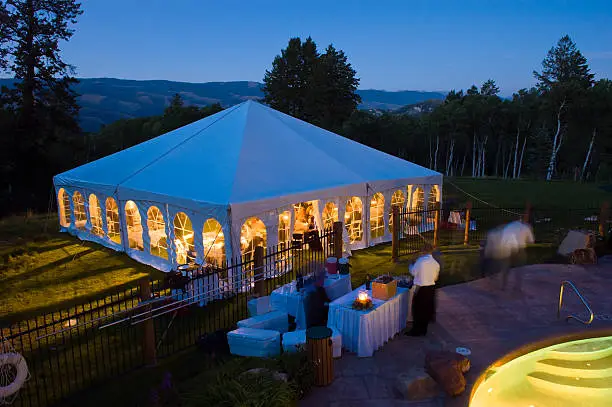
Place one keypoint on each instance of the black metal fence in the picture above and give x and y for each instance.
(70, 350)
(549, 225)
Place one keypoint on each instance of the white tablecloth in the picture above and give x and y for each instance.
(292, 302)
(363, 332)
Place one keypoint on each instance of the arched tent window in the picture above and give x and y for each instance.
(330, 215)
(252, 234)
(284, 230)
(432, 200)
(397, 201)
(377, 215)
(95, 215)
(63, 200)
(157, 232)
(213, 242)
(352, 219)
(304, 215)
(113, 230)
(183, 238)
(418, 206)
(80, 217)
(134, 226)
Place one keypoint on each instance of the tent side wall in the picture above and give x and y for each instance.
(138, 240)
(268, 211)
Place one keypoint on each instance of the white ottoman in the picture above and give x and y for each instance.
(336, 343)
(259, 306)
(291, 340)
(275, 320)
(254, 342)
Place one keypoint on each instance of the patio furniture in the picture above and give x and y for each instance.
(290, 300)
(274, 320)
(259, 306)
(254, 342)
(363, 332)
(293, 340)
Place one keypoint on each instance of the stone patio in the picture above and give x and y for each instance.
(479, 316)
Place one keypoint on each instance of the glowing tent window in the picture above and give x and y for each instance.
(252, 234)
(330, 215)
(157, 233)
(432, 203)
(63, 200)
(95, 215)
(304, 217)
(134, 226)
(183, 238)
(80, 217)
(214, 242)
(112, 221)
(352, 219)
(397, 201)
(284, 230)
(418, 206)
(377, 215)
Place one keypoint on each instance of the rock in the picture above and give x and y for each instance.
(263, 371)
(447, 369)
(416, 384)
(583, 256)
(453, 357)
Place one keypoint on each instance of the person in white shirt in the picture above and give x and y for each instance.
(425, 272)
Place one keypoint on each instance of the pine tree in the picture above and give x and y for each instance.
(45, 105)
(286, 85)
(320, 89)
(333, 96)
(489, 88)
(563, 64)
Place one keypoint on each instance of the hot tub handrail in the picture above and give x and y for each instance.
(584, 302)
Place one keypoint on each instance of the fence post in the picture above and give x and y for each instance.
(259, 272)
(466, 236)
(148, 345)
(527, 213)
(395, 233)
(338, 243)
(436, 223)
(603, 219)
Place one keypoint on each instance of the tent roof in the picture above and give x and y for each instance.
(246, 153)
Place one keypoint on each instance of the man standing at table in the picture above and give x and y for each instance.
(425, 272)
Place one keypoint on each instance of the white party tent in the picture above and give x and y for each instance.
(233, 180)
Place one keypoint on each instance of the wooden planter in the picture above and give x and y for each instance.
(383, 291)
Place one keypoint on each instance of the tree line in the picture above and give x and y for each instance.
(560, 128)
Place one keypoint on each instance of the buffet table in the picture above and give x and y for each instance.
(287, 298)
(363, 332)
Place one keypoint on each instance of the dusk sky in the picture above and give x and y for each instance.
(393, 45)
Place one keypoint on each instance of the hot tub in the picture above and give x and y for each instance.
(574, 372)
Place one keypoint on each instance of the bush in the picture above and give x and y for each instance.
(230, 387)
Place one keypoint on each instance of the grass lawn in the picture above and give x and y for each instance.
(41, 272)
(461, 263)
(514, 193)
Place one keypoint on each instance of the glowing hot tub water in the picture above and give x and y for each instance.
(576, 374)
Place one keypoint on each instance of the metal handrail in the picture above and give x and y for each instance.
(584, 302)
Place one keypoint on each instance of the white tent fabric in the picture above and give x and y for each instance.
(248, 160)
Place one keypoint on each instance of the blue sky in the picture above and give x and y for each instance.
(393, 45)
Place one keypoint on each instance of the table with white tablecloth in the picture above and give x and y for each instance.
(288, 299)
(363, 332)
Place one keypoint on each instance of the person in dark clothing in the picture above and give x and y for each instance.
(317, 305)
(425, 271)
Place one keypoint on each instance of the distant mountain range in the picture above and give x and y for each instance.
(105, 100)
